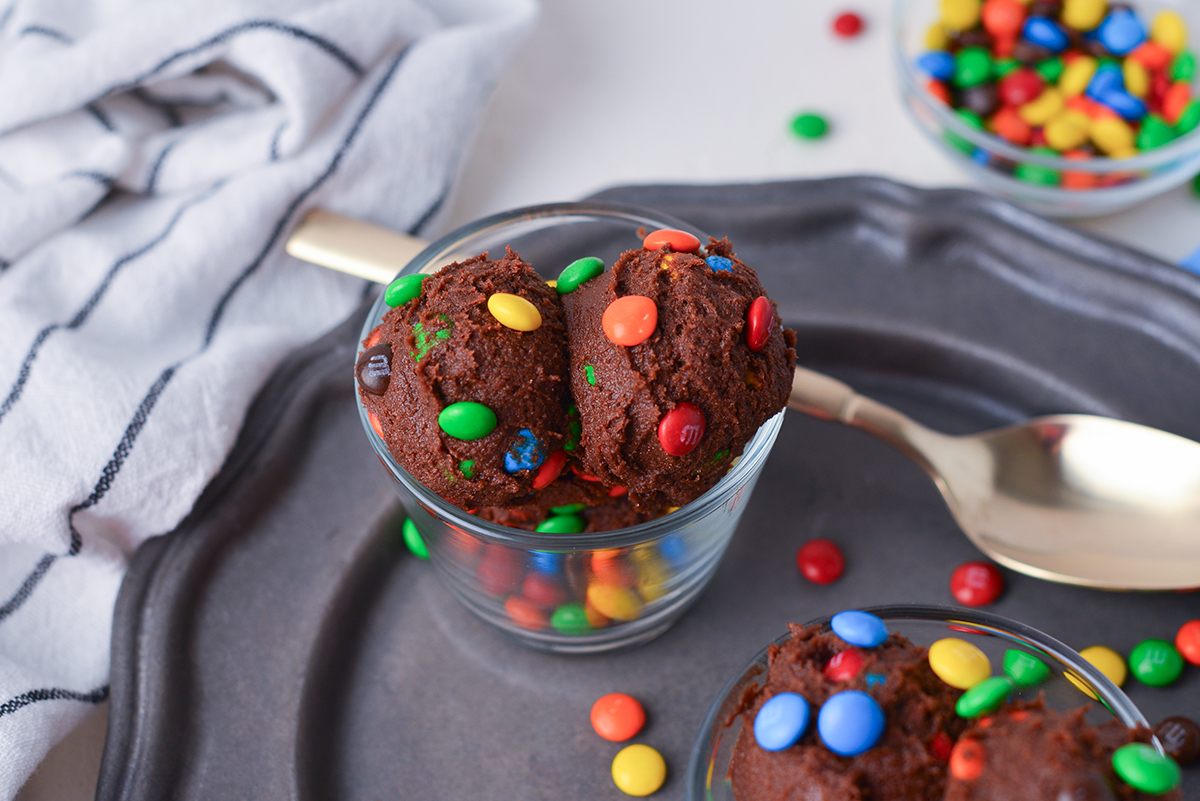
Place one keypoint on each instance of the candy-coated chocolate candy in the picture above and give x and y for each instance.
(1175, 101)
(981, 99)
(514, 311)
(1124, 104)
(550, 470)
(972, 66)
(616, 491)
(1155, 662)
(940, 745)
(1180, 738)
(1143, 768)
(1076, 76)
(1111, 135)
(525, 453)
(374, 369)
(984, 698)
(412, 539)
(1105, 78)
(681, 429)
(467, 420)
(1183, 67)
(1007, 124)
(1051, 69)
(678, 241)
(960, 15)
(959, 663)
(1137, 77)
(546, 562)
(1047, 104)
(561, 524)
(1083, 15)
(850, 722)
(1028, 53)
(844, 665)
(500, 570)
(859, 628)
(594, 617)
(542, 589)
(614, 602)
(570, 619)
(617, 717)
(1187, 639)
(780, 721)
(1003, 18)
(820, 561)
(937, 64)
(1021, 86)
(847, 24)
(759, 320)
(403, 289)
(569, 509)
(1121, 31)
(525, 613)
(578, 272)
(1152, 55)
(630, 320)
(1024, 669)
(1108, 662)
(976, 583)
(1168, 29)
(809, 125)
(1004, 66)
(967, 760)
(1065, 131)
(719, 263)
(376, 426)
(1045, 33)
(936, 37)
(638, 770)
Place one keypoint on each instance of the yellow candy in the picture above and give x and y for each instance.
(960, 15)
(936, 37)
(615, 602)
(513, 311)
(1125, 153)
(1137, 77)
(1047, 104)
(1169, 30)
(1079, 684)
(1108, 662)
(553, 282)
(959, 663)
(1064, 131)
(638, 770)
(1076, 76)
(1083, 15)
(1111, 135)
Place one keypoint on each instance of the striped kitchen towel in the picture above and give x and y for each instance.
(153, 157)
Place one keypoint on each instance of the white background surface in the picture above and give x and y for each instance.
(610, 92)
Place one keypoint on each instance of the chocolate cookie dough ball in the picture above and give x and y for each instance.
(467, 381)
(677, 358)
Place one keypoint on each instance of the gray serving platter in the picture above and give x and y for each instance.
(282, 643)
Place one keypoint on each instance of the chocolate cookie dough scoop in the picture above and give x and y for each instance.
(677, 358)
(465, 380)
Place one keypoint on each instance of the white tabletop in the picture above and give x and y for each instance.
(687, 91)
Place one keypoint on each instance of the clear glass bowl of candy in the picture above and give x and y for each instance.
(559, 587)
(922, 698)
(1071, 108)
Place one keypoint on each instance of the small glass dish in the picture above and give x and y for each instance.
(665, 562)
(1113, 183)
(1073, 682)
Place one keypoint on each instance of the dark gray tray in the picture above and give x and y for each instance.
(282, 644)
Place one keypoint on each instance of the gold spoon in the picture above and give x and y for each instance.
(1074, 498)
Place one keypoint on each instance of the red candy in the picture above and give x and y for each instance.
(543, 590)
(500, 570)
(976, 583)
(630, 320)
(678, 241)
(525, 613)
(616, 491)
(549, 470)
(844, 665)
(1175, 100)
(1188, 641)
(820, 561)
(1020, 87)
(967, 760)
(759, 320)
(848, 24)
(1152, 55)
(939, 90)
(681, 429)
(1003, 19)
(583, 475)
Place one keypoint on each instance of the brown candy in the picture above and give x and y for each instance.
(983, 99)
(1028, 53)
(1180, 738)
(374, 369)
(1045, 8)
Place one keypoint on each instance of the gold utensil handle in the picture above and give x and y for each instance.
(352, 246)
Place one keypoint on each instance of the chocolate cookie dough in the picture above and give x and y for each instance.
(467, 381)
(676, 360)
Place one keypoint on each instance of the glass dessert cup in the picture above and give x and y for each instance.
(1073, 682)
(664, 563)
(993, 162)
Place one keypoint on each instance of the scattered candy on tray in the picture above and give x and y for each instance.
(1180, 738)
(617, 717)
(848, 24)
(639, 770)
(1108, 662)
(976, 583)
(809, 125)
(1155, 662)
(821, 561)
(412, 539)
(1187, 641)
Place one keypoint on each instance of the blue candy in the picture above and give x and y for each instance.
(850, 722)
(1046, 33)
(1106, 79)
(937, 64)
(673, 549)
(875, 678)
(1125, 104)
(1121, 31)
(859, 628)
(780, 721)
(718, 263)
(981, 156)
(526, 453)
(545, 562)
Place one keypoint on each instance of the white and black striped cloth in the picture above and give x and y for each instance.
(153, 157)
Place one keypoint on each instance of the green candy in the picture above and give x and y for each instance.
(590, 373)
(1155, 132)
(569, 509)
(467, 468)
(809, 126)
(412, 538)
(570, 619)
(972, 66)
(969, 119)
(1196, 185)
(1025, 669)
(1036, 174)
(467, 420)
(403, 289)
(1004, 66)
(1189, 120)
(1155, 662)
(561, 524)
(1051, 69)
(1183, 66)
(984, 697)
(578, 272)
(1143, 768)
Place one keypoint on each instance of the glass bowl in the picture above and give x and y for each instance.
(1115, 183)
(1073, 682)
(659, 566)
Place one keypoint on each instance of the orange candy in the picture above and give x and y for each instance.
(1078, 180)
(1003, 18)
(525, 613)
(678, 241)
(617, 717)
(630, 320)
(1007, 124)
(967, 760)
(938, 89)
(1152, 55)
(375, 425)
(1175, 101)
(1188, 641)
